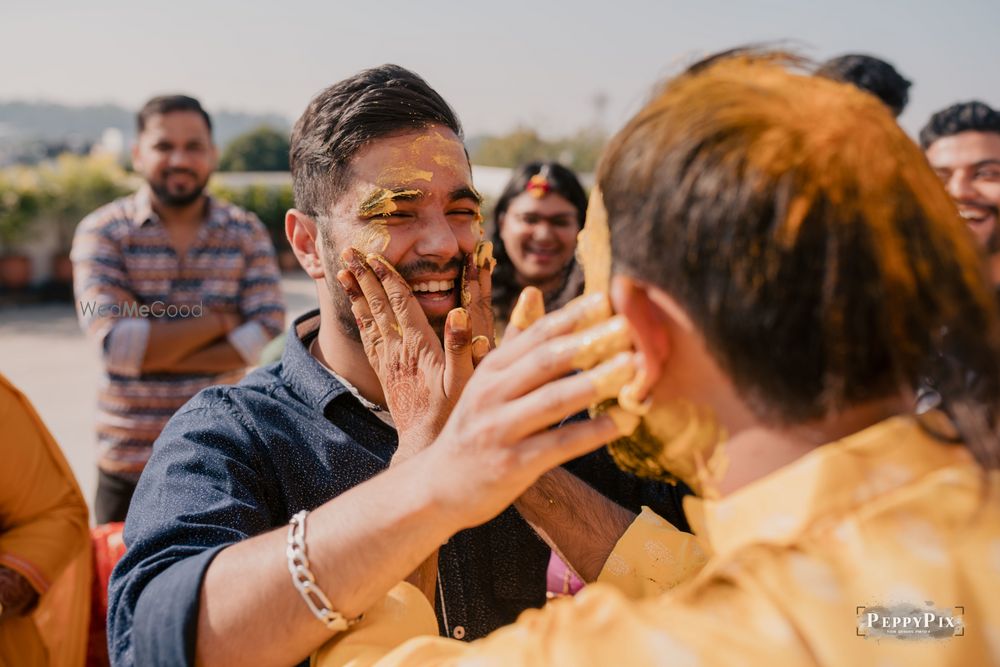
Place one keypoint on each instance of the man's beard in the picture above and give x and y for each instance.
(342, 304)
(172, 200)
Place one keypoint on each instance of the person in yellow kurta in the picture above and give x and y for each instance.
(788, 264)
(44, 545)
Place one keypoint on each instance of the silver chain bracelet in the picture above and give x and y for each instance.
(305, 581)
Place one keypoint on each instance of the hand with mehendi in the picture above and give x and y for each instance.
(421, 379)
(16, 594)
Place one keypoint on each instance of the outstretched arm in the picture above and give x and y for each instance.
(495, 444)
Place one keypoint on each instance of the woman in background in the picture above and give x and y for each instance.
(44, 544)
(535, 223)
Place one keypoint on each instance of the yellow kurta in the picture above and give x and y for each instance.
(44, 538)
(883, 517)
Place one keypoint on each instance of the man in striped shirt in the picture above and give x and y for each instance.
(179, 290)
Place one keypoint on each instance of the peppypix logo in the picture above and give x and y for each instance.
(910, 622)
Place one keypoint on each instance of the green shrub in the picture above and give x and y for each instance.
(269, 202)
(65, 190)
(73, 186)
(261, 149)
(20, 203)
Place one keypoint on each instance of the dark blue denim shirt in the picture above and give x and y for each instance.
(237, 461)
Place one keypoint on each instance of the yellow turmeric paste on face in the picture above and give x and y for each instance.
(374, 237)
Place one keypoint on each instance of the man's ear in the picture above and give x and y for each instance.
(303, 236)
(650, 331)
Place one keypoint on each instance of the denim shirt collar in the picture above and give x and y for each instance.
(301, 371)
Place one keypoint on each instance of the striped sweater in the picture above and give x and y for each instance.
(127, 274)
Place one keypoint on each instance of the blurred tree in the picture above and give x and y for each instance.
(579, 151)
(262, 149)
(269, 203)
(509, 150)
(582, 150)
(20, 201)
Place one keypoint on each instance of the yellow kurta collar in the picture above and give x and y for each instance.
(821, 487)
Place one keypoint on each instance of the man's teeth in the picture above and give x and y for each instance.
(434, 286)
(971, 215)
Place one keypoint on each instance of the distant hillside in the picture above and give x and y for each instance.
(32, 121)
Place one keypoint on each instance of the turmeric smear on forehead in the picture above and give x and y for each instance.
(434, 141)
(404, 174)
(445, 152)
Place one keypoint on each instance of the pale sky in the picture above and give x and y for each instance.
(498, 63)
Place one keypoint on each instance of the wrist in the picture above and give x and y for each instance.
(435, 494)
(411, 443)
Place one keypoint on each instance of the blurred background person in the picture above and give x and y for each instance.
(44, 545)
(962, 144)
(872, 75)
(535, 223)
(205, 270)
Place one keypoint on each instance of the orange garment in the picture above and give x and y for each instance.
(44, 538)
(108, 548)
(884, 517)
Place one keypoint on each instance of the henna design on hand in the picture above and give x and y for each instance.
(410, 396)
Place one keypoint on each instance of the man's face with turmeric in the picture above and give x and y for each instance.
(410, 199)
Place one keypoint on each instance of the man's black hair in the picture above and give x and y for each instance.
(871, 74)
(164, 104)
(971, 116)
(374, 103)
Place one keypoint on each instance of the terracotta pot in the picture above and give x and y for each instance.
(62, 269)
(15, 272)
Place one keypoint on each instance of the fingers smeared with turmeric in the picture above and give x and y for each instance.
(599, 337)
(601, 354)
(530, 308)
(477, 292)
